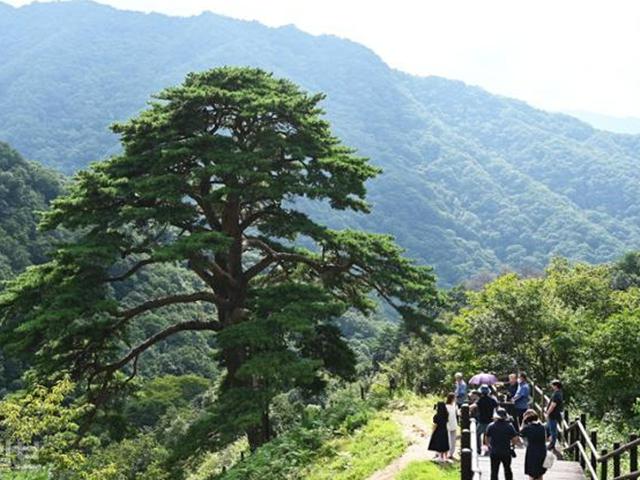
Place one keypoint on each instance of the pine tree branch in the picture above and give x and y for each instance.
(131, 271)
(194, 325)
(273, 255)
(172, 300)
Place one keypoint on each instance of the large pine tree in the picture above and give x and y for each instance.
(212, 177)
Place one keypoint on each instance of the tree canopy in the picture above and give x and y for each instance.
(211, 178)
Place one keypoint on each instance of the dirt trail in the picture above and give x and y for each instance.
(416, 431)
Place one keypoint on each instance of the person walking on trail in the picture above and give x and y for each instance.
(452, 425)
(460, 390)
(500, 438)
(536, 436)
(439, 441)
(486, 407)
(521, 398)
(554, 412)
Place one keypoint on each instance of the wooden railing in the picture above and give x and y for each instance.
(578, 443)
(581, 445)
(469, 465)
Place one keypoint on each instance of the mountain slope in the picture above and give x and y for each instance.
(472, 181)
(25, 189)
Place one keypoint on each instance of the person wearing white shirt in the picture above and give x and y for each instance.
(452, 424)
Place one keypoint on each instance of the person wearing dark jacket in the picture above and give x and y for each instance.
(485, 408)
(500, 437)
(439, 441)
(536, 436)
(554, 412)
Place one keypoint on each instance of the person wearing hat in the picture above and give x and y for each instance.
(486, 406)
(554, 412)
(500, 438)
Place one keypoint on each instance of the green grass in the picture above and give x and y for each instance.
(348, 441)
(429, 471)
(357, 456)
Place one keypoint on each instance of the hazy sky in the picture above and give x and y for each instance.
(557, 54)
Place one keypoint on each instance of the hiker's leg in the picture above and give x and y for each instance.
(452, 443)
(508, 473)
(495, 466)
(553, 432)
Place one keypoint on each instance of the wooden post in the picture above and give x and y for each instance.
(616, 461)
(594, 441)
(465, 420)
(633, 454)
(466, 470)
(465, 439)
(577, 438)
(603, 471)
(583, 440)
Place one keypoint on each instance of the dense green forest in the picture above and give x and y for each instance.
(213, 272)
(26, 189)
(193, 230)
(179, 330)
(473, 182)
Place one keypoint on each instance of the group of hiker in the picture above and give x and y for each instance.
(504, 420)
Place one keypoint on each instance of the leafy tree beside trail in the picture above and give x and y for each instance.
(211, 178)
(578, 322)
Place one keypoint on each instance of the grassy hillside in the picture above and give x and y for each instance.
(472, 181)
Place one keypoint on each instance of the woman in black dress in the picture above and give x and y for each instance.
(440, 436)
(536, 436)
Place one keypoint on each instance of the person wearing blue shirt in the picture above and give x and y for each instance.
(460, 390)
(521, 398)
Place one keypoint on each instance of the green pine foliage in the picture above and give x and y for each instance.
(209, 180)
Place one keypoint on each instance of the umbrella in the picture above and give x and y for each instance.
(483, 379)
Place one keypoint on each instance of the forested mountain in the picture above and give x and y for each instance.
(25, 189)
(472, 181)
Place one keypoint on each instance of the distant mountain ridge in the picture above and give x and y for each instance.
(630, 125)
(472, 181)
